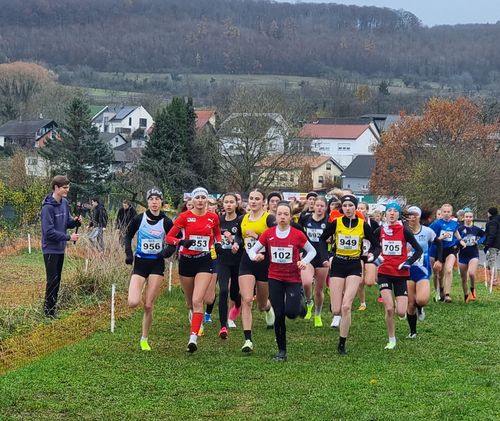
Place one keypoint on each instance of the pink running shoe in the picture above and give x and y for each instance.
(223, 332)
(234, 313)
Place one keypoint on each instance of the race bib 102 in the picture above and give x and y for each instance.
(281, 254)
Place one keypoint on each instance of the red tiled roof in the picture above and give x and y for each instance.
(202, 118)
(332, 131)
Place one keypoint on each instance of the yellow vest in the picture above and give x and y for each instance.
(349, 241)
(258, 226)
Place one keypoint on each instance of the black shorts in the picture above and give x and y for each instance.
(395, 283)
(449, 250)
(189, 266)
(259, 270)
(146, 267)
(342, 268)
(317, 262)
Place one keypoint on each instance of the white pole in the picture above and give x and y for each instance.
(170, 277)
(29, 243)
(86, 265)
(486, 276)
(113, 292)
(493, 276)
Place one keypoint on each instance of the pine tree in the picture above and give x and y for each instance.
(78, 153)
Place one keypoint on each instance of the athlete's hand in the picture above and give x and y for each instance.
(404, 266)
(252, 234)
(462, 243)
(228, 235)
(301, 264)
(326, 263)
(186, 243)
(129, 259)
(259, 257)
(234, 248)
(438, 266)
(167, 251)
(370, 257)
(74, 237)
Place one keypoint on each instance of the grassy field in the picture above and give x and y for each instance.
(450, 372)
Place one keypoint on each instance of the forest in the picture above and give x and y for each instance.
(246, 36)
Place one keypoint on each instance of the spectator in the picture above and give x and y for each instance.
(492, 242)
(98, 223)
(56, 219)
(123, 219)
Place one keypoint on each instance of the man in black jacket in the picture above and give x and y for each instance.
(492, 242)
(98, 223)
(125, 215)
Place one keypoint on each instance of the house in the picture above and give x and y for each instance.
(122, 119)
(383, 122)
(357, 175)
(112, 139)
(26, 134)
(243, 132)
(285, 171)
(125, 157)
(343, 142)
(205, 120)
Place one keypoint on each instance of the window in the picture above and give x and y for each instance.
(130, 121)
(320, 179)
(328, 167)
(344, 147)
(143, 122)
(32, 161)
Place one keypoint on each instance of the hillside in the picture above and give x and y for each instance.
(245, 36)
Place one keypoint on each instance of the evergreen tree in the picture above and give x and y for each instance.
(78, 153)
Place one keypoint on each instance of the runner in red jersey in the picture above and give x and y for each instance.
(284, 244)
(394, 270)
(200, 230)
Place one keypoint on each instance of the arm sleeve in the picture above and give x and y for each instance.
(167, 224)
(133, 227)
(172, 237)
(238, 237)
(439, 249)
(374, 238)
(322, 246)
(311, 252)
(254, 250)
(410, 238)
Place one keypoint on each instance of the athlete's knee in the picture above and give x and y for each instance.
(246, 300)
(421, 301)
(148, 307)
(401, 311)
(389, 310)
(133, 302)
(346, 308)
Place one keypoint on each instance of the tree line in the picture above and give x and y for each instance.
(244, 36)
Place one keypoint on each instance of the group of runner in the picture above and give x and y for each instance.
(283, 260)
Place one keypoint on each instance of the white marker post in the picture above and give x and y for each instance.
(29, 243)
(170, 277)
(113, 293)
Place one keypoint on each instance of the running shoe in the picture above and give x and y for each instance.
(380, 300)
(336, 321)
(317, 321)
(436, 296)
(207, 318)
(362, 307)
(447, 299)
(341, 350)
(309, 311)
(411, 336)
(280, 356)
(270, 318)
(402, 318)
(247, 346)
(421, 314)
(201, 332)
(144, 345)
(390, 345)
(234, 313)
(223, 332)
(192, 346)
(231, 324)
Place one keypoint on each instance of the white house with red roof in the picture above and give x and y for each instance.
(343, 142)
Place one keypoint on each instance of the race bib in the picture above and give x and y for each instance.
(249, 242)
(281, 254)
(201, 242)
(226, 244)
(470, 240)
(392, 248)
(348, 242)
(446, 235)
(313, 234)
(151, 245)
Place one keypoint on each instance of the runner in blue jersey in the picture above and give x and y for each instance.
(151, 227)
(446, 230)
(420, 272)
(468, 256)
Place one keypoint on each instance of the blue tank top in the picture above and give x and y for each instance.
(150, 239)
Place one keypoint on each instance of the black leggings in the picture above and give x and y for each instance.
(286, 299)
(53, 270)
(225, 274)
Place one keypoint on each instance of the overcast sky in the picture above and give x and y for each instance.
(433, 12)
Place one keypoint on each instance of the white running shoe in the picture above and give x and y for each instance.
(270, 318)
(421, 315)
(231, 324)
(412, 336)
(336, 321)
(247, 346)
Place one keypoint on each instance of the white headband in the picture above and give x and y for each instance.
(199, 191)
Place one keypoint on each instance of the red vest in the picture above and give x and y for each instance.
(394, 250)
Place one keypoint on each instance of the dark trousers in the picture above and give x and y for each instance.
(227, 276)
(286, 299)
(53, 270)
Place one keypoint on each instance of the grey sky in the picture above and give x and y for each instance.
(433, 12)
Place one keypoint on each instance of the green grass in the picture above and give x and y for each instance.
(450, 372)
